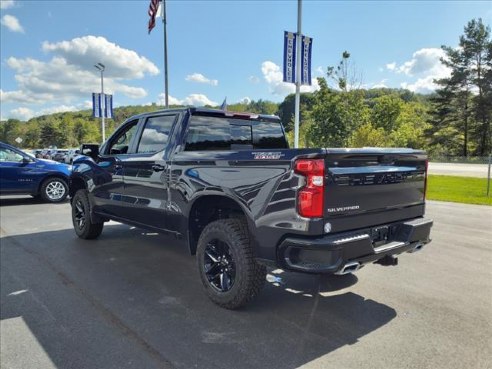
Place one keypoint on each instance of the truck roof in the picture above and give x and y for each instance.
(213, 112)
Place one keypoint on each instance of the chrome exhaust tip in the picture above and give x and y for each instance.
(417, 248)
(349, 268)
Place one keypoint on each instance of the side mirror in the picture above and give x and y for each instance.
(26, 160)
(91, 150)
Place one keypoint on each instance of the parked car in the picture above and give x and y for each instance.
(71, 155)
(228, 187)
(60, 155)
(38, 153)
(46, 154)
(21, 173)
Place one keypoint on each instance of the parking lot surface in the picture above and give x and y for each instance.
(457, 169)
(133, 299)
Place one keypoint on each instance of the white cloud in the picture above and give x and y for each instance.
(85, 51)
(254, 79)
(87, 104)
(381, 84)
(70, 74)
(200, 78)
(12, 23)
(42, 82)
(21, 113)
(198, 100)
(426, 66)
(391, 66)
(57, 109)
(422, 85)
(245, 100)
(424, 61)
(274, 78)
(192, 99)
(5, 4)
(320, 70)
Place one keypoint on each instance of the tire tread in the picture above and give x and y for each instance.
(254, 275)
(91, 230)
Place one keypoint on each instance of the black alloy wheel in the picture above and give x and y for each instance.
(226, 263)
(219, 265)
(79, 213)
(81, 217)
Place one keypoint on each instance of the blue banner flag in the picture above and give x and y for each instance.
(224, 104)
(108, 106)
(96, 105)
(307, 43)
(289, 57)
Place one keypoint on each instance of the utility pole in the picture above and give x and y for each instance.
(101, 67)
(164, 23)
(298, 74)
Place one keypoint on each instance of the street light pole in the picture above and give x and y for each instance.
(101, 68)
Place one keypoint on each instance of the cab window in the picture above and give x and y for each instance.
(120, 143)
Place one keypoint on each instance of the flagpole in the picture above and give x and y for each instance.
(164, 23)
(298, 74)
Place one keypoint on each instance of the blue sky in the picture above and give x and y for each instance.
(216, 48)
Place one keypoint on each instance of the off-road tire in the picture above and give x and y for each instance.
(85, 229)
(54, 190)
(249, 275)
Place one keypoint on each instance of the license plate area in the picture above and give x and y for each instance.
(382, 235)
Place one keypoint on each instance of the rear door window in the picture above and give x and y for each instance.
(216, 133)
(155, 135)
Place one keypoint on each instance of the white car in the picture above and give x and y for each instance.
(72, 153)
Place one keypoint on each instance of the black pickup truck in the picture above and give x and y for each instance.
(227, 186)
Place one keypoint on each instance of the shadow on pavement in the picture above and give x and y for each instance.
(134, 299)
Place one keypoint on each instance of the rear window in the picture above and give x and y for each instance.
(217, 133)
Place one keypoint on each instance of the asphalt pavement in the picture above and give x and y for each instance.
(133, 299)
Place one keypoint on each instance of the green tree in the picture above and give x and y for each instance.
(385, 111)
(463, 103)
(336, 114)
(10, 130)
(286, 109)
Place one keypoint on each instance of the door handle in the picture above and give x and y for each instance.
(158, 168)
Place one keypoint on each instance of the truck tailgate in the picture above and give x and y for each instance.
(369, 186)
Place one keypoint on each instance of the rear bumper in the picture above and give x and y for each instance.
(331, 253)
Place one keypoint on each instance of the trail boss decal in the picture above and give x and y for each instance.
(267, 155)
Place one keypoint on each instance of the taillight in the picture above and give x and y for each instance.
(425, 180)
(310, 198)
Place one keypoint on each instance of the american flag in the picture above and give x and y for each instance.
(154, 5)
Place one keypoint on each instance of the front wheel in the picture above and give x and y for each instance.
(54, 190)
(84, 227)
(228, 270)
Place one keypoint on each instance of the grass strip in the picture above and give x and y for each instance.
(468, 190)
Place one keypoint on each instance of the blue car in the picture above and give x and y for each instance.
(21, 173)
